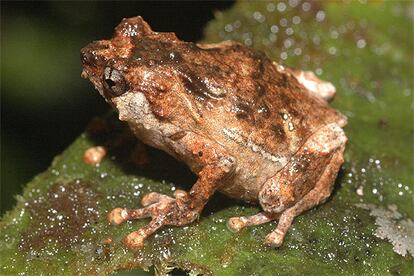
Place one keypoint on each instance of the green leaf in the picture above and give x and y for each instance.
(59, 223)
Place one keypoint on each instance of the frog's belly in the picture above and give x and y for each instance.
(250, 175)
(248, 193)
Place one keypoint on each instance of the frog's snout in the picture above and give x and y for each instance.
(84, 75)
(87, 63)
(86, 57)
(96, 54)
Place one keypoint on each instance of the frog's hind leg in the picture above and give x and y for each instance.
(235, 224)
(306, 181)
(315, 197)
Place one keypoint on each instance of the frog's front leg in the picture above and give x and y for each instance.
(303, 183)
(216, 165)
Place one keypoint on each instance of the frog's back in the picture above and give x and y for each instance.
(250, 99)
(261, 113)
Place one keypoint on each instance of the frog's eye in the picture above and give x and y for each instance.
(114, 82)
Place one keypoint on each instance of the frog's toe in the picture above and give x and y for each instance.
(235, 224)
(134, 240)
(117, 216)
(120, 215)
(152, 198)
(274, 239)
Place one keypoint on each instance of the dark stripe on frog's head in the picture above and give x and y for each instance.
(194, 85)
(152, 51)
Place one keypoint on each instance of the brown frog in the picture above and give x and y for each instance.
(246, 126)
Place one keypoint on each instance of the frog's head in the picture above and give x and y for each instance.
(136, 63)
(139, 66)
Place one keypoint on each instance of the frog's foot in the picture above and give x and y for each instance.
(163, 209)
(235, 224)
(305, 182)
(185, 207)
(315, 197)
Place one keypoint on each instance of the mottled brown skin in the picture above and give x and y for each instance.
(247, 126)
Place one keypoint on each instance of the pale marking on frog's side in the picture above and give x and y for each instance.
(287, 118)
(236, 135)
(145, 121)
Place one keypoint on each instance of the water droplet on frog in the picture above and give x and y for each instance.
(172, 55)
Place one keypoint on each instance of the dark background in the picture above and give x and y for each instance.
(45, 104)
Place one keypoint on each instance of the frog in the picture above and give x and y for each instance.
(246, 126)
